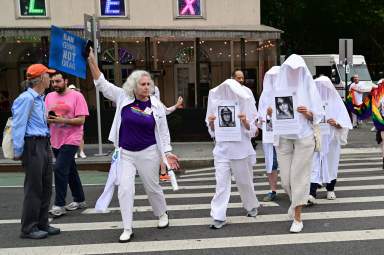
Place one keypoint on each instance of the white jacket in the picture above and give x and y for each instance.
(121, 99)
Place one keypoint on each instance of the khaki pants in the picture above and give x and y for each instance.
(295, 157)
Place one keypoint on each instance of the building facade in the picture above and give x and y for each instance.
(189, 46)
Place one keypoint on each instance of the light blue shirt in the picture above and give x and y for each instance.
(27, 122)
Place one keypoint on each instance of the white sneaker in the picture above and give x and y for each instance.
(252, 213)
(296, 227)
(217, 224)
(311, 200)
(82, 154)
(331, 195)
(57, 211)
(76, 205)
(76, 156)
(163, 221)
(126, 236)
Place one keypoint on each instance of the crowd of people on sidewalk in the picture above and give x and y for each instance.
(52, 124)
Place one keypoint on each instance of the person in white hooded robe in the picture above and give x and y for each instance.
(295, 151)
(238, 157)
(265, 114)
(326, 162)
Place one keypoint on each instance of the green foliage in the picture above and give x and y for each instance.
(314, 27)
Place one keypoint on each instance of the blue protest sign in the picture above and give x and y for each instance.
(65, 53)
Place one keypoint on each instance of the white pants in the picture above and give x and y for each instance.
(326, 167)
(268, 155)
(354, 119)
(146, 162)
(242, 170)
(295, 158)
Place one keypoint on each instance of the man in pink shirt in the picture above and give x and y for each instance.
(67, 110)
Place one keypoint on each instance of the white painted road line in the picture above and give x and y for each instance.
(212, 173)
(345, 179)
(202, 243)
(343, 200)
(260, 166)
(185, 207)
(90, 226)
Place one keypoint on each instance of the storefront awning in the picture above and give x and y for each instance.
(258, 33)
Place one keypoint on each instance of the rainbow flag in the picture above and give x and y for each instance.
(362, 111)
(377, 103)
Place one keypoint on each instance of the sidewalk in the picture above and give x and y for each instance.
(199, 154)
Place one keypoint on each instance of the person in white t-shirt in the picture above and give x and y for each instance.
(357, 90)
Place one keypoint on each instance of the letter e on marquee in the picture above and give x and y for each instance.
(112, 8)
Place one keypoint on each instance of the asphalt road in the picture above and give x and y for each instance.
(351, 224)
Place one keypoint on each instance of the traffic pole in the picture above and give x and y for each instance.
(95, 50)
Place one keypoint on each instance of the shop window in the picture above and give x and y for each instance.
(32, 8)
(113, 8)
(189, 8)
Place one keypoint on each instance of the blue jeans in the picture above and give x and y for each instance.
(274, 165)
(66, 173)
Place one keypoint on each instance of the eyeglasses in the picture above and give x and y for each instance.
(145, 83)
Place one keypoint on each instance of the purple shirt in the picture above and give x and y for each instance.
(137, 129)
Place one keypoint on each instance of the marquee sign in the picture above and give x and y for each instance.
(189, 8)
(112, 8)
(33, 8)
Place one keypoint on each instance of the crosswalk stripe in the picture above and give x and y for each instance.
(261, 192)
(346, 200)
(343, 200)
(346, 179)
(207, 243)
(90, 226)
(209, 177)
(352, 170)
(261, 166)
(180, 207)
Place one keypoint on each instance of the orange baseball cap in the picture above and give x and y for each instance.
(36, 70)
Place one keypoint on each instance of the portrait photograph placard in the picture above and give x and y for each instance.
(227, 123)
(268, 134)
(285, 117)
(325, 128)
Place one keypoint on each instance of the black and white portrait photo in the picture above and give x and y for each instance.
(268, 125)
(323, 118)
(226, 116)
(284, 108)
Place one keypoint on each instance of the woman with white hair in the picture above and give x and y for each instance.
(140, 134)
(295, 150)
(333, 135)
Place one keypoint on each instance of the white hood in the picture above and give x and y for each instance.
(294, 75)
(266, 97)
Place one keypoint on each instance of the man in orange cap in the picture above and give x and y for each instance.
(31, 145)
